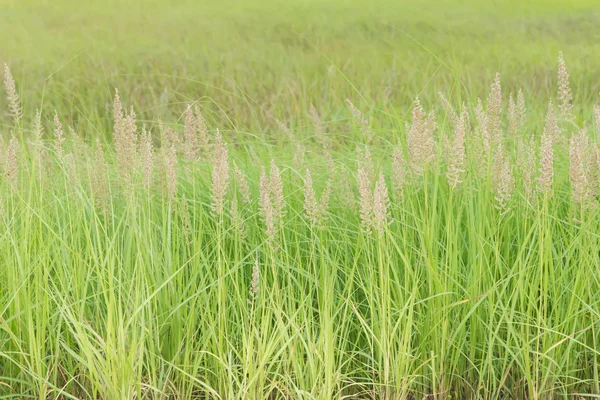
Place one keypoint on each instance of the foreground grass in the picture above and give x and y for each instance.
(154, 274)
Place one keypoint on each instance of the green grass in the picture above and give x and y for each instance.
(153, 299)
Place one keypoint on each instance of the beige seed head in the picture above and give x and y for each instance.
(12, 163)
(285, 130)
(265, 203)
(494, 110)
(381, 205)
(399, 172)
(521, 111)
(99, 180)
(71, 168)
(59, 136)
(365, 129)
(310, 199)
(504, 181)
(186, 221)
(298, 159)
(125, 137)
(449, 110)
(191, 148)
(201, 129)
(513, 122)
(319, 128)
(565, 97)
(38, 128)
(169, 160)
(365, 199)
(366, 161)
(546, 170)
(242, 184)
(579, 182)
(276, 186)
(220, 175)
(324, 202)
(347, 194)
(456, 156)
(551, 128)
(237, 221)
(255, 283)
(527, 164)
(420, 140)
(146, 153)
(14, 104)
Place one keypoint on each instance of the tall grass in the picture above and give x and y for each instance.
(153, 269)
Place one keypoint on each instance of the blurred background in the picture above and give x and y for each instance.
(250, 63)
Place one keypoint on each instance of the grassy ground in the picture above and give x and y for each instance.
(123, 278)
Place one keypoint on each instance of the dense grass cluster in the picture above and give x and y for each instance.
(453, 257)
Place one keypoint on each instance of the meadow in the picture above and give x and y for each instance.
(300, 200)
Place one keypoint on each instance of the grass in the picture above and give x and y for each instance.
(121, 282)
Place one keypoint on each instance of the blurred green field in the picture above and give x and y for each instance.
(251, 62)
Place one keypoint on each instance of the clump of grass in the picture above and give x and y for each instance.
(476, 278)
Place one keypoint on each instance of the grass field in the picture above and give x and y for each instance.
(305, 229)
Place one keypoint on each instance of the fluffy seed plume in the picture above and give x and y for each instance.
(146, 154)
(14, 105)
(38, 129)
(319, 128)
(513, 123)
(310, 199)
(186, 221)
(420, 139)
(12, 163)
(59, 136)
(365, 129)
(527, 164)
(315, 211)
(191, 148)
(399, 172)
(381, 205)
(494, 110)
(366, 161)
(254, 283)
(504, 181)
(237, 222)
(125, 138)
(38, 143)
(481, 146)
(521, 111)
(99, 179)
(201, 128)
(456, 156)
(169, 161)
(365, 196)
(347, 197)
(546, 170)
(242, 184)
(449, 110)
(565, 97)
(276, 186)
(579, 182)
(265, 203)
(324, 202)
(220, 175)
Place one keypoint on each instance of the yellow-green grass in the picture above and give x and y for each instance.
(150, 295)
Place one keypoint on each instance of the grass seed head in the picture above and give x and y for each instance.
(14, 104)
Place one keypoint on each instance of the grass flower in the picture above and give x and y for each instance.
(14, 104)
